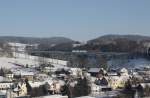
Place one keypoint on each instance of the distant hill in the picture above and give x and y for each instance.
(44, 44)
(111, 38)
(107, 43)
(116, 43)
(33, 40)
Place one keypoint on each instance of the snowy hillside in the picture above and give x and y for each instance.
(129, 63)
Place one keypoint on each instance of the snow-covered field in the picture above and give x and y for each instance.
(129, 63)
(36, 58)
(5, 63)
(24, 59)
(10, 62)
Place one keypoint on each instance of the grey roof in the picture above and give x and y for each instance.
(94, 70)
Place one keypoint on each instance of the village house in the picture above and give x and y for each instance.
(124, 72)
(47, 69)
(24, 74)
(9, 75)
(95, 71)
(42, 76)
(5, 86)
(3, 95)
(20, 90)
(76, 71)
(118, 81)
(27, 75)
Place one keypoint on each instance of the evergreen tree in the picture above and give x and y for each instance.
(29, 88)
(82, 88)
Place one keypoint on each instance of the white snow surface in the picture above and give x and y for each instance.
(9, 63)
(5, 63)
(139, 62)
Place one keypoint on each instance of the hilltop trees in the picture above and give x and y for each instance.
(101, 61)
(82, 60)
(116, 45)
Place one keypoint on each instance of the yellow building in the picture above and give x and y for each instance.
(27, 75)
(20, 90)
(118, 81)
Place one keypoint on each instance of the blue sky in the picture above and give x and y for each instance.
(76, 19)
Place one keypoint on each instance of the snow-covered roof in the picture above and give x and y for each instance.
(3, 79)
(2, 92)
(27, 73)
(36, 84)
(93, 70)
(53, 96)
(115, 77)
(24, 71)
(122, 78)
(112, 74)
(145, 84)
(85, 97)
(16, 89)
(17, 44)
(124, 70)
